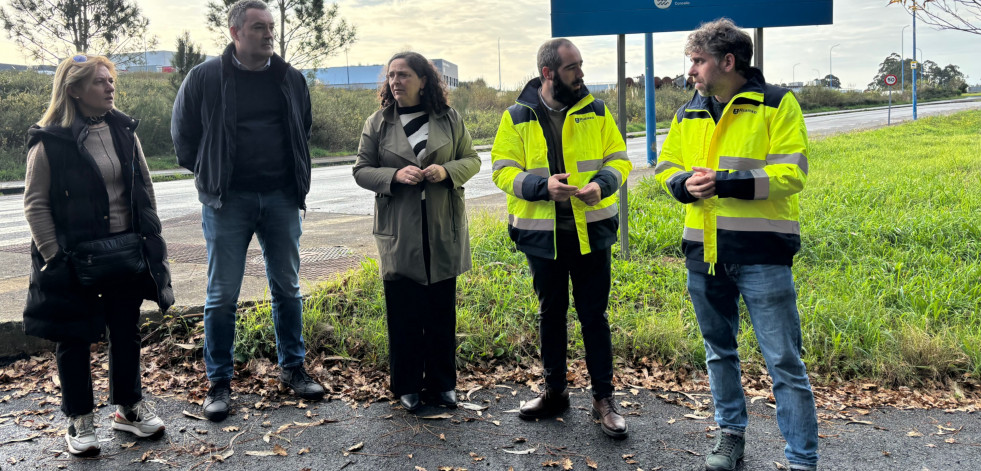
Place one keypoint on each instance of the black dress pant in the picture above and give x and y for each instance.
(122, 314)
(421, 335)
(590, 275)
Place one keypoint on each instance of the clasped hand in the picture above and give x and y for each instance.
(558, 191)
(412, 175)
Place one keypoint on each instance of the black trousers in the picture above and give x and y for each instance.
(421, 335)
(122, 313)
(590, 275)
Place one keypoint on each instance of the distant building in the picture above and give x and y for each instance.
(149, 61)
(357, 77)
(42, 69)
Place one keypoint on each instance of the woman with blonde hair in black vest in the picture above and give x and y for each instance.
(96, 248)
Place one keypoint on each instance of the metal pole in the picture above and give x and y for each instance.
(830, 74)
(902, 60)
(499, 85)
(622, 124)
(650, 107)
(889, 116)
(758, 49)
(914, 60)
(793, 74)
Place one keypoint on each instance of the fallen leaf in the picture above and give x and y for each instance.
(260, 453)
(356, 447)
(127, 445)
(591, 463)
(444, 415)
(230, 428)
(193, 416)
(696, 416)
(914, 433)
(779, 465)
(471, 406)
(279, 450)
(476, 457)
(521, 452)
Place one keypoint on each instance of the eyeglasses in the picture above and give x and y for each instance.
(80, 58)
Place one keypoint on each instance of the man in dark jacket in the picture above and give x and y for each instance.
(241, 123)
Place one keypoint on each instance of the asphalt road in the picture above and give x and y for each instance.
(661, 438)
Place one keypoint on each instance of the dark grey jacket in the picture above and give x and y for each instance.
(204, 120)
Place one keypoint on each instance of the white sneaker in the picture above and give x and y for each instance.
(81, 437)
(137, 419)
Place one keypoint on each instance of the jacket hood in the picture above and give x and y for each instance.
(35, 133)
(529, 94)
(755, 83)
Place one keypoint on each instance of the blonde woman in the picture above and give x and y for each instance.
(96, 248)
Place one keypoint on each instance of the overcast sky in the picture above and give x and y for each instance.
(466, 32)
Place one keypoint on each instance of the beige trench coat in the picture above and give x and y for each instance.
(384, 149)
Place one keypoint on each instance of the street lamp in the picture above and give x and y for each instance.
(793, 74)
(830, 74)
(902, 59)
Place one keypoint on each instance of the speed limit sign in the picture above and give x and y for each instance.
(890, 80)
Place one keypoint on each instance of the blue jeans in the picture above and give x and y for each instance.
(770, 297)
(274, 217)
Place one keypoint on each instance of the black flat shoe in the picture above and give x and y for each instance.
(446, 399)
(410, 402)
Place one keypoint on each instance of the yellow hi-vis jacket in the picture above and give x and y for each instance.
(759, 150)
(592, 150)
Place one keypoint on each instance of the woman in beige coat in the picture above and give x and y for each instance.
(416, 154)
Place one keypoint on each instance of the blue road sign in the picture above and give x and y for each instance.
(592, 17)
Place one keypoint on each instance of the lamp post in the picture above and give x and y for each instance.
(793, 74)
(902, 59)
(818, 72)
(830, 74)
(914, 59)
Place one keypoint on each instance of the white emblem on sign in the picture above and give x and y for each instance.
(662, 4)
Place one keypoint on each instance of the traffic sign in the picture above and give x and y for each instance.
(912, 64)
(890, 80)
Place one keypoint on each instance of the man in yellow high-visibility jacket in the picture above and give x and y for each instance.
(736, 156)
(560, 158)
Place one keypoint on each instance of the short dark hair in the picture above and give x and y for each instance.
(720, 37)
(236, 14)
(548, 55)
(433, 96)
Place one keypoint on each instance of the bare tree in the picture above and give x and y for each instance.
(307, 31)
(959, 15)
(49, 30)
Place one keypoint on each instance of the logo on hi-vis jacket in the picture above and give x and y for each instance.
(662, 4)
(742, 110)
(578, 120)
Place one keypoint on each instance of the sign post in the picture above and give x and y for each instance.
(890, 80)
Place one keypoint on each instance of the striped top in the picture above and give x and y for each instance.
(415, 122)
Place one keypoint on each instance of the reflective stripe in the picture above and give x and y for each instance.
(796, 158)
(541, 172)
(620, 155)
(694, 235)
(589, 165)
(664, 165)
(616, 173)
(676, 176)
(740, 163)
(782, 226)
(504, 163)
(531, 224)
(519, 181)
(762, 184)
(601, 214)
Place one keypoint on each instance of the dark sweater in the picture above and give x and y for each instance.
(263, 160)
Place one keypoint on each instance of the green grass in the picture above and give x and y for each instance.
(889, 277)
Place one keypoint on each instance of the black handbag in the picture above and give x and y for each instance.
(108, 259)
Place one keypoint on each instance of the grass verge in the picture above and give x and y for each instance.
(889, 277)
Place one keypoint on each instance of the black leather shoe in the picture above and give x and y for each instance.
(547, 404)
(410, 402)
(301, 383)
(218, 400)
(445, 399)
